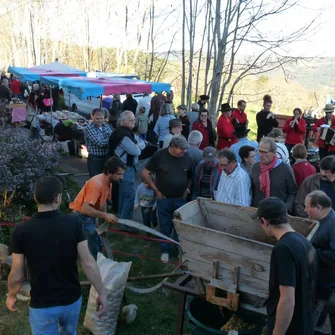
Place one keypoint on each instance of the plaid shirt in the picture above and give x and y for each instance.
(96, 139)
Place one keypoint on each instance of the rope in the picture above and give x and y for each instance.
(139, 236)
(150, 289)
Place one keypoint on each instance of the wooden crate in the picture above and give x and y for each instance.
(224, 235)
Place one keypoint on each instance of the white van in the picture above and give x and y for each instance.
(86, 106)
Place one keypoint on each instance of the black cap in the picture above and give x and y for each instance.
(270, 208)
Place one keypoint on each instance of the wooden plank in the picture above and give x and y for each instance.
(247, 284)
(181, 313)
(191, 213)
(248, 266)
(237, 220)
(230, 243)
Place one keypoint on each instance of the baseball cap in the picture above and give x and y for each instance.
(175, 123)
(270, 208)
(209, 154)
(179, 141)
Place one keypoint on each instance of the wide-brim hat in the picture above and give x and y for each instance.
(204, 97)
(175, 123)
(226, 108)
(329, 108)
(241, 130)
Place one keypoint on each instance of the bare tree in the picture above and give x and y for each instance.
(238, 25)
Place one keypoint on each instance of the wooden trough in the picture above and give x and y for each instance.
(230, 251)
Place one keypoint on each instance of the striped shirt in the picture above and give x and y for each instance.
(282, 153)
(234, 188)
(96, 139)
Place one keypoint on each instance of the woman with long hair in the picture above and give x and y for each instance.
(31, 108)
(204, 125)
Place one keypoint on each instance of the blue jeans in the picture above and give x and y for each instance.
(127, 194)
(166, 207)
(149, 216)
(93, 239)
(95, 165)
(61, 320)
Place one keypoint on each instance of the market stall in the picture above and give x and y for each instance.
(84, 87)
(52, 69)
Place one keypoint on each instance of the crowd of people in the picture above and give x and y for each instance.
(272, 174)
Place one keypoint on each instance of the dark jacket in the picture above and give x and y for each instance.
(130, 104)
(311, 183)
(265, 125)
(215, 176)
(5, 93)
(115, 110)
(323, 242)
(186, 125)
(115, 139)
(282, 184)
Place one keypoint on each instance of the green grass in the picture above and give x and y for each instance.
(157, 311)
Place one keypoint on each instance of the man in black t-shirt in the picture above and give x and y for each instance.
(293, 273)
(173, 169)
(51, 242)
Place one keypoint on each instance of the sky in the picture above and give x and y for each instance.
(107, 19)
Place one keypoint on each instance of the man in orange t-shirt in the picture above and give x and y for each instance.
(90, 202)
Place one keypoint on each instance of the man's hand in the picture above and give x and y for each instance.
(159, 196)
(101, 304)
(11, 303)
(110, 218)
(136, 207)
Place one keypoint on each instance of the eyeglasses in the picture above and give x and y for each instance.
(132, 120)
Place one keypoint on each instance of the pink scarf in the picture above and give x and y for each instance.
(264, 177)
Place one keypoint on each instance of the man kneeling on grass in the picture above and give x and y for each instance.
(51, 241)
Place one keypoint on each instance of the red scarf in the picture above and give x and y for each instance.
(264, 177)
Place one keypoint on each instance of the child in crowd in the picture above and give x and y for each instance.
(313, 148)
(142, 122)
(145, 198)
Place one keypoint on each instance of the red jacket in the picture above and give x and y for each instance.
(318, 123)
(207, 139)
(302, 170)
(240, 117)
(295, 135)
(226, 132)
(15, 87)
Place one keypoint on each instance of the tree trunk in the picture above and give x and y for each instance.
(200, 53)
(183, 69)
(152, 60)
